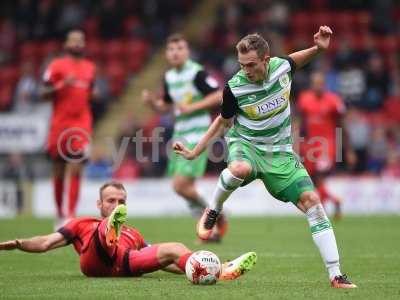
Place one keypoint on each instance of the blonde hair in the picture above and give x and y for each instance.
(255, 42)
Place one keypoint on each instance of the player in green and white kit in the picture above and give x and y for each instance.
(256, 109)
(189, 91)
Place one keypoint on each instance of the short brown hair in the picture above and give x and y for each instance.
(118, 185)
(251, 42)
(176, 37)
(75, 30)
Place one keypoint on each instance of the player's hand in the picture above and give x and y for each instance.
(323, 37)
(147, 96)
(186, 109)
(181, 149)
(69, 81)
(9, 245)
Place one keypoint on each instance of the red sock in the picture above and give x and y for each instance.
(73, 195)
(182, 261)
(58, 185)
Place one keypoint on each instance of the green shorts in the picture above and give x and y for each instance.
(282, 173)
(177, 165)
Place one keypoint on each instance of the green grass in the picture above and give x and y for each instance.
(288, 267)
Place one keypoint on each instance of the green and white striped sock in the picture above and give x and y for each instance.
(227, 183)
(324, 239)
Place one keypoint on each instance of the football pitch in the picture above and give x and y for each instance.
(288, 266)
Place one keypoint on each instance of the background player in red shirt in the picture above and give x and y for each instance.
(108, 248)
(68, 82)
(321, 113)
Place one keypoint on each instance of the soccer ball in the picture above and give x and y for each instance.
(203, 267)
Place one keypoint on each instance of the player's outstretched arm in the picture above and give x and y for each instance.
(216, 129)
(155, 103)
(210, 101)
(36, 244)
(321, 43)
(46, 91)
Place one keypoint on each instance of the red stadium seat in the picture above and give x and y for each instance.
(9, 75)
(333, 46)
(134, 63)
(91, 26)
(319, 5)
(392, 109)
(359, 41)
(376, 118)
(94, 48)
(29, 51)
(321, 18)
(6, 93)
(387, 45)
(343, 22)
(113, 49)
(398, 42)
(8, 79)
(136, 47)
(116, 72)
(117, 87)
(136, 52)
(301, 22)
(115, 69)
(130, 23)
(49, 48)
(391, 61)
(362, 21)
(301, 41)
(396, 13)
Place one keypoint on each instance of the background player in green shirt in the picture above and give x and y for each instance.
(256, 109)
(189, 92)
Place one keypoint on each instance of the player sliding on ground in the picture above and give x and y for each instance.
(256, 107)
(108, 248)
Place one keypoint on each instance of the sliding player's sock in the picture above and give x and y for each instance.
(182, 261)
